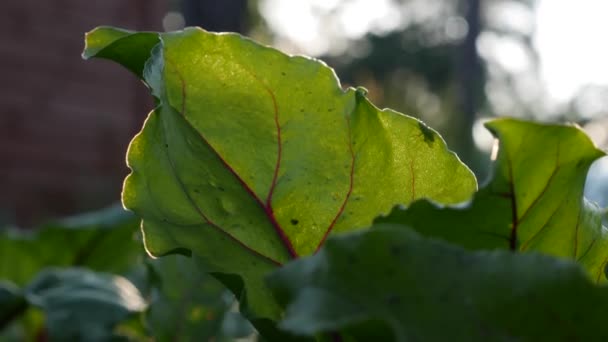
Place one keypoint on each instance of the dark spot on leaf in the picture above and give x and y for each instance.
(221, 188)
(352, 259)
(330, 109)
(294, 222)
(283, 73)
(302, 110)
(309, 92)
(429, 137)
(196, 190)
(166, 145)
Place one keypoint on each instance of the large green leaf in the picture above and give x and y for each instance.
(82, 240)
(389, 283)
(83, 305)
(253, 157)
(534, 201)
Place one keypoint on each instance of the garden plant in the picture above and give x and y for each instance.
(325, 217)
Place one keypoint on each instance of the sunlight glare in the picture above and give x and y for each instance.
(571, 39)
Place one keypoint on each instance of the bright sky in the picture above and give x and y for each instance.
(571, 40)
(570, 37)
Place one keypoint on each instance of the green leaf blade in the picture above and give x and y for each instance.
(421, 284)
(534, 201)
(126, 47)
(253, 157)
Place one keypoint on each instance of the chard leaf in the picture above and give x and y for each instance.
(81, 304)
(534, 201)
(253, 157)
(389, 283)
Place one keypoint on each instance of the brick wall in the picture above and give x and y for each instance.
(65, 123)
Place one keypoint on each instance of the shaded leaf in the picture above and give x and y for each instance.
(82, 240)
(83, 305)
(188, 303)
(12, 303)
(391, 282)
(534, 201)
(253, 157)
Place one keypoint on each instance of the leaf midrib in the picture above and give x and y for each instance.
(266, 206)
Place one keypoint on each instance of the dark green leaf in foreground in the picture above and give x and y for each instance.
(534, 201)
(253, 157)
(83, 305)
(391, 281)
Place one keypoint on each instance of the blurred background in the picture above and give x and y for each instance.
(65, 124)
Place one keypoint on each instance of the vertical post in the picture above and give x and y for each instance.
(470, 81)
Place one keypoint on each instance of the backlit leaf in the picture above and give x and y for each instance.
(534, 201)
(253, 157)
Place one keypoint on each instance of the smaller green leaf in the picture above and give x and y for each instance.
(534, 202)
(133, 49)
(83, 305)
(390, 280)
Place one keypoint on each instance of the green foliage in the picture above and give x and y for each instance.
(76, 278)
(189, 303)
(253, 157)
(389, 283)
(82, 240)
(534, 201)
(44, 269)
(81, 304)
